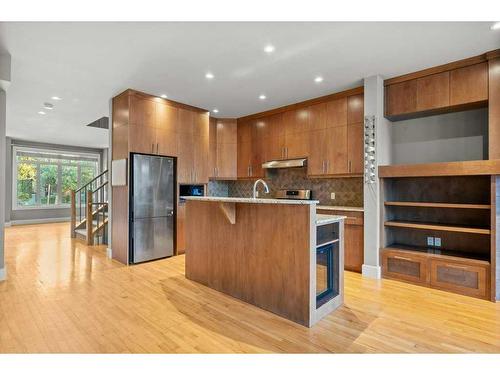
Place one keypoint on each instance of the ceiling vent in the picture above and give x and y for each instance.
(102, 123)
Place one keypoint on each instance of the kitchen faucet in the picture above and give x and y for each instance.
(255, 187)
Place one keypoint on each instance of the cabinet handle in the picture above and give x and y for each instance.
(152, 148)
(323, 166)
(286, 152)
(157, 148)
(327, 166)
(455, 266)
(251, 170)
(403, 258)
(350, 166)
(248, 171)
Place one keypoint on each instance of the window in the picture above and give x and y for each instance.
(45, 178)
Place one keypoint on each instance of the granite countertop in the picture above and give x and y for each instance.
(250, 200)
(322, 219)
(341, 208)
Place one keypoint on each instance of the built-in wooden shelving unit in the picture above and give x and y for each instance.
(438, 224)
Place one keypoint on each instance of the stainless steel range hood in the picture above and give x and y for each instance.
(290, 163)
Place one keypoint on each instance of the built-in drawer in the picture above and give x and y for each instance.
(352, 217)
(405, 266)
(460, 277)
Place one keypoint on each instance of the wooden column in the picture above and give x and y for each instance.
(90, 235)
(73, 214)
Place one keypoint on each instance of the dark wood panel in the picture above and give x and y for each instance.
(433, 91)
(355, 109)
(401, 98)
(120, 224)
(355, 148)
(494, 109)
(258, 259)
(405, 266)
(469, 84)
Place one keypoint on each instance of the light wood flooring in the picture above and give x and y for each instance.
(62, 296)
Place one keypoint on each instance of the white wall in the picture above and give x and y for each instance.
(3, 106)
(450, 137)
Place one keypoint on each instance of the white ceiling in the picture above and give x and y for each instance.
(88, 63)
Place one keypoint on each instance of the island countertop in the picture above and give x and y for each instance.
(249, 200)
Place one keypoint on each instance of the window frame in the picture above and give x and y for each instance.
(39, 205)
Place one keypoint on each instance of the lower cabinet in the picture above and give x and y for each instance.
(353, 238)
(405, 266)
(470, 277)
(180, 230)
(458, 277)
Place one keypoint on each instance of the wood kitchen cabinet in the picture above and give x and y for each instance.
(167, 117)
(353, 238)
(249, 150)
(401, 98)
(469, 84)
(445, 90)
(223, 148)
(355, 150)
(192, 147)
(297, 130)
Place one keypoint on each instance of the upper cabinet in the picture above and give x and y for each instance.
(469, 84)
(440, 92)
(223, 149)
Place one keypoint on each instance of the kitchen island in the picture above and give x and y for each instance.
(278, 255)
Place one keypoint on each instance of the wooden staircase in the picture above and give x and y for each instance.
(89, 204)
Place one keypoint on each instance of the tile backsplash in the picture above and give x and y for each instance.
(348, 191)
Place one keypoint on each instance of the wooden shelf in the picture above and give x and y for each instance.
(439, 205)
(456, 168)
(440, 227)
(479, 258)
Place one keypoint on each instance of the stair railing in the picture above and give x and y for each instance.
(87, 202)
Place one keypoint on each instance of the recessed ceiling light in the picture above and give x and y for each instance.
(495, 26)
(269, 48)
(209, 75)
(48, 106)
(163, 96)
(215, 110)
(318, 79)
(41, 112)
(56, 98)
(262, 97)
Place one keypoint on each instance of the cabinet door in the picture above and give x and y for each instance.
(317, 117)
(401, 98)
(296, 121)
(142, 139)
(353, 247)
(297, 145)
(336, 112)
(317, 153)
(355, 148)
(355, 109)
(212, 148)
(142, 111)
(226, 160)
(200, 147)
(336, 150)
(405, 266)
(181, 229)
(244, 159)
(460, 277)
(274, 143)
(166, 125)
(185, 158)
(469, 84)
(433, 91)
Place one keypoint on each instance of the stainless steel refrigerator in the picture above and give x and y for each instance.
(152, 207)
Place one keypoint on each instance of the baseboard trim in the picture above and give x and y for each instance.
(3, 273)
(109, 253)
(374, 272)
(40, 221)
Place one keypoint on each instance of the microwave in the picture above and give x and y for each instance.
(191, 191)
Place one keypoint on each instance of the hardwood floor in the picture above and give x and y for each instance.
(64, 296)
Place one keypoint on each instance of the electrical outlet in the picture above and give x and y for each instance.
(332, 196)
(430, 241)
(437, 241)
